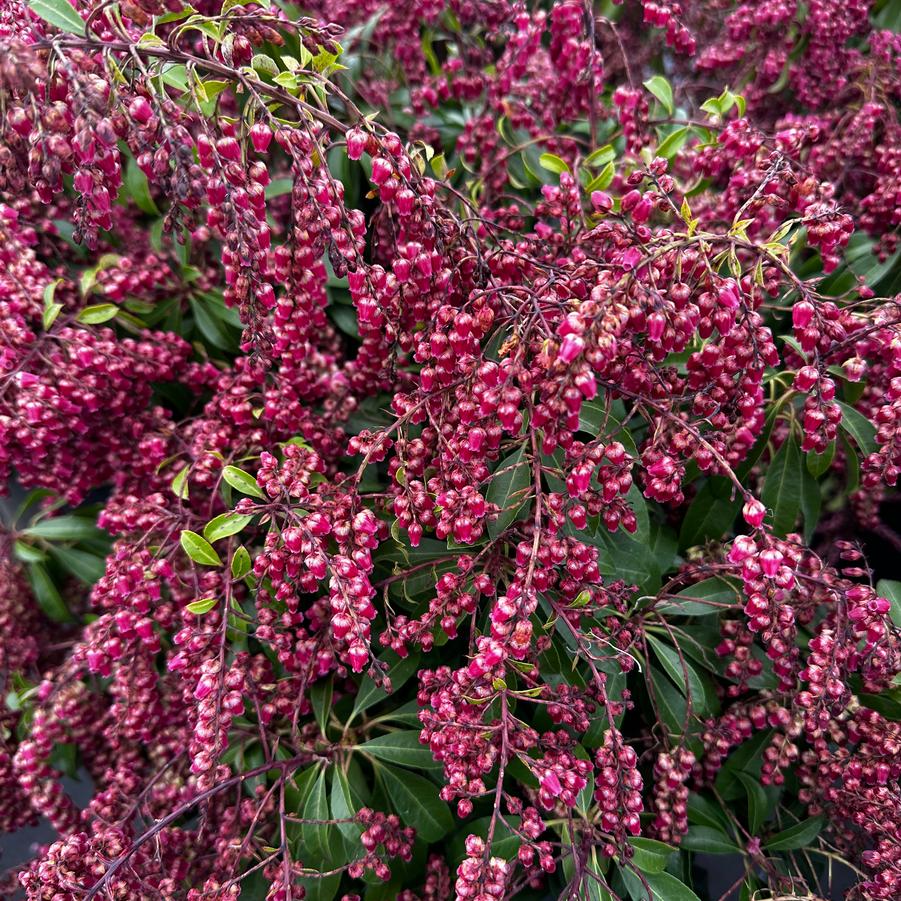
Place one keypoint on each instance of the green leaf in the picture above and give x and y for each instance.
(86, 567)
(204, 605)
(690, 601)
(553, 163)
(801, 835)
(49, 599)
(51, 307)
(673, 142)
(703, 811)
(224, 525)
(602, 179)
(243, 482)
(97, 313)
(859, 428)
(402, 748)
(399, 670)
(343, 807)
(179, 484)
(199, 549)
(891, 591)
(662, 90)
(710, 514)
(416, 801)
(64, 528)
(683, 673)
(708, 840)
(60, 13)
(139, 189)
(811, 499)
(241, 564)
(316, 835)
(507, 489)
(782, 488)
(28, 553)
(321, 702)
(664, 887)
(818, 464)
(601, 157)
(650, 855)
(757, 801)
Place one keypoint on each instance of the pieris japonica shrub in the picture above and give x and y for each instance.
(450, 436)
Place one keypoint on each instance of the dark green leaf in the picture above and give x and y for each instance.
(710, 514)
(321, 701)
(64, 528)
(664, 887)
(690, 601)
(684, 674)
(859, 428)
(757, 801)
(49, 599)
(891, 591)
(316, 835)
(344, 807)
(507, 489)
(708, 840)
(818, 464)
(402, 748)
(650, 855)
(782, 488)
(138, 188)
(801, 835)
(86, 567)
(399, 670)
(416, 801)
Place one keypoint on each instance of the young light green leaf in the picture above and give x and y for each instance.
(241, 564)
(199, 549)
(662, 90)
(508, 490)
(204, 605)
(97, 313)
(553, 163)
(600, 157)
(673, 142)
(60, 13)
(243, 482)
(180, 484)
(224, 525)
(51, 307)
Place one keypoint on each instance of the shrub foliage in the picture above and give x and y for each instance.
(450, 434)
